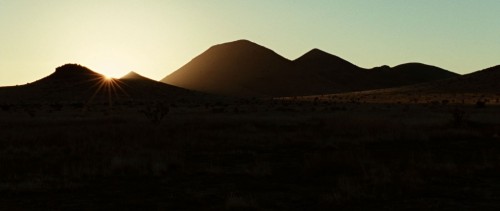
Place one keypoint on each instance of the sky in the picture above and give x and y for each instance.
(156, 37)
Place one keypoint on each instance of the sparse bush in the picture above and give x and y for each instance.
(5, 107)
(434, 102)
(355, 158)
(155, 113)
(56, 106)
(77, 105)
(218, 110)
(30, 111)
(480, 104)
(236, 202)
(458, 116)
(316, 101)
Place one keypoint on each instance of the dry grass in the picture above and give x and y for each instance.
(267, 155)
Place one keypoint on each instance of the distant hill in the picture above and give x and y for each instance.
(76, 83)
(133, 76)
(237, 68)
(243, 68)
(466, 89)
(483, 81)
(334, 73)
(139, 87)
(410, 73)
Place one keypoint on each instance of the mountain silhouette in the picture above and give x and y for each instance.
(236, 68)
(462, 89)
(70, 72)
(244, 68)
(409, 73)
(76, 83)
(69, 83)
(318, 59)
(139, 87)
(337, 74)
(133, 76)
(482, 81)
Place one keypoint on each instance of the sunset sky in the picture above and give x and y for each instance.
(156, 37)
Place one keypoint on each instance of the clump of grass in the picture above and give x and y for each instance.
(458, 117)
(481, 104)
(155, 113)
(30, 111)
(238, 202)
(6, 107)
(260, 169)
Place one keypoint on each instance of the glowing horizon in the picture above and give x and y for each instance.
(156, 37)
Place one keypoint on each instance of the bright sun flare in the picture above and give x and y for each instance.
(107, 77)
(109, 69)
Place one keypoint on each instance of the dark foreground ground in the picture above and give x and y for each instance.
(250, 156)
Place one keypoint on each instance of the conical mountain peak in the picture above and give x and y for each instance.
(134, 76)
(315, 52)
(320, 58)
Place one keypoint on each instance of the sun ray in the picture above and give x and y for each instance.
(108, 86)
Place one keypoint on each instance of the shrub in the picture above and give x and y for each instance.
(458, 116)
(5, 107)
(236, 202)
(155, 113)
(56, 106)
(480, 104)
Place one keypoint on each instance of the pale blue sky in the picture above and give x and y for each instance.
(155, 37)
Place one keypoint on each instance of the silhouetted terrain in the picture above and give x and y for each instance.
(243, 68)
(250, 155)
(480, 87)
(133, 76)
(75, 83)
(238, 68)
(410, 73)
(483, 81)
(76, 140)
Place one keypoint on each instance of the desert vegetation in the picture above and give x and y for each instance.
(250, 154)
(78, 140)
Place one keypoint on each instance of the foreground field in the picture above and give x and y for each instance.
(251, 155)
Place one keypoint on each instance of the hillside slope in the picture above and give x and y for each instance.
(243, 68)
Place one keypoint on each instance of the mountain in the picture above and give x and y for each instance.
(76, 83)
(236, 68)
(318, 59)
(133, 76)
(244, 68)
(137, 86)
(466, 89)
(410, 73)
(483, 81)
(335, 73)
(332, 67)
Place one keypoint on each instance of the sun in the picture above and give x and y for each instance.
(107, 77)
(108, 86)
(110, 70)
(110, 73)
